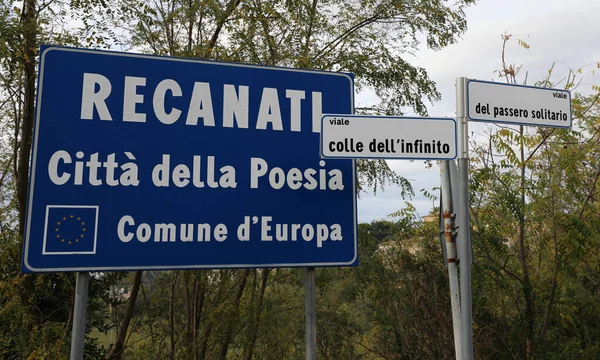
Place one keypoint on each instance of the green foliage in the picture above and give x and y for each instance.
(535, 231)
(395, 305)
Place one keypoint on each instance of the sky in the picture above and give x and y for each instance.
(561, 32)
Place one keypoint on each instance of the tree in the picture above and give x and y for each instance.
(37, 310)
(531, 224)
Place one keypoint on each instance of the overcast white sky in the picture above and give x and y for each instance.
(558, 31)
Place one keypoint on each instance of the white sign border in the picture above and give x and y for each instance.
(515, 122)
(383, 157)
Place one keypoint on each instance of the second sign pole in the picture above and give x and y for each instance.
(463, 220)
(310, 289)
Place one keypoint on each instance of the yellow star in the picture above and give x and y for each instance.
(63, 240)
(69, 243)
(58, 236)
(58, 223)
(82, 223)
(83, 229)
(81, 235)
(78, 218)
(56, 229)
(77, 240)
(64, 218)
(72, 216)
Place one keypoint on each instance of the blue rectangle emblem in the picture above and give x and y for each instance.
(145, 162)
(70, 230)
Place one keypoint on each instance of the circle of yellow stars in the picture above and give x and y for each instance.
(81, 236)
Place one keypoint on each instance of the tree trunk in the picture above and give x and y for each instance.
(172, 314)
(29, 47)
(249, 350)
(198, 310)
(204, 347)
(153, 340)
(190, 305)
(238, 297)
(28, 19)
(527, 287)
(117, 352)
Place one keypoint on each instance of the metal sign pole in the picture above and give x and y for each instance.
(451, 260)
(463, 217)
(311, 313)
(79, 314)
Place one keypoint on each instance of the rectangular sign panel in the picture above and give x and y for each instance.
(518, 104)
(144, 162)
(388, 137)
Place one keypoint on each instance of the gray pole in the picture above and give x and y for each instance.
(79, 314)
(464, 223)
(310, 289)
(451, 260)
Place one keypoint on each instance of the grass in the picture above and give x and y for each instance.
(104, 339)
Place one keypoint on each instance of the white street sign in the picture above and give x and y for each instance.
(386, 137)
(518, 104)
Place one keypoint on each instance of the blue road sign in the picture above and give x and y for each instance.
(145, 162)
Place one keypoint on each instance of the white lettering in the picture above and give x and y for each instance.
(53, 167)
(265, 228)
(235, 105)
(164, 232)
(258, 168)
(308, 232)
(294, 178)
(220, 232)
(93, 166)
(201, 105)
(317, 111)
(181, 174)
(131, 98)
(143, 232)
(159, 101)
(125, 220)
(91, 98)
(269, 111)
(295, 97)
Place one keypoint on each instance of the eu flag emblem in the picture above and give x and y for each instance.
(70, 229)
